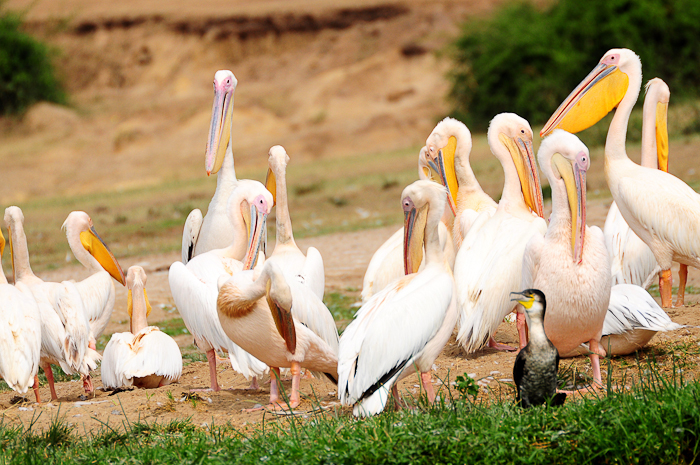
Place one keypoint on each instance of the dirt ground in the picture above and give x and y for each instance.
(346, 256)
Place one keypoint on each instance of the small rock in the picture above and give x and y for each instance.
(25, 409)
(494, 372)
(116, 412)
(82, 397)
(77, 416)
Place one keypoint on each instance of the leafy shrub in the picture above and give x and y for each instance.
(527, 60)
(26, 74)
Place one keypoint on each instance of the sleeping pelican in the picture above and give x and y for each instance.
(215, 230)
(291, 260)
(632, 260)
(570, 264)
(449, 147)
(97, 291)
(194, 286)
(632, 319)
(489, 263)
(660, 208)
(404, 327)
(20, 335)
(65, 329)
(272, 329)
(144, 356)
(386, 264)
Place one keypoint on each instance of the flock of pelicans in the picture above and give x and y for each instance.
(460, 259)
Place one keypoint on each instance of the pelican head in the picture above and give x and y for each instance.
(253, 203)
(658, 93)
(136, 279)
(533, 301)
(79, 222)
(515, 134)
(417, 199)
(220, 127)
(601, 91)
(442, 155)
(565, 159)
(277, 161)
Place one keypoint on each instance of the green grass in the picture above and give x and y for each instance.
(173, 327)
(655, 421)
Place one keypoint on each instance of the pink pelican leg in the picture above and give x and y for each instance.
(49, 378)
(428, 386)
(665, 288)
(211, 357)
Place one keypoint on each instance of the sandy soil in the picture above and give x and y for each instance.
(346, 256)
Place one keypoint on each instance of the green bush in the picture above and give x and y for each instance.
(26, 74)
(526, 60)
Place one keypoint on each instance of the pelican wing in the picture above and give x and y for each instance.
(309, 310)
(389, 332)
(190, 234)
(487, 269)
(632, 261)
(385, 266)
(115, 357)
(631, 307)
(669, 211)
(98, 295)
(313, 272)
(20, 338)
(194, 290)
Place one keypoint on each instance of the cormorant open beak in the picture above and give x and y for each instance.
(525, 300)
(600, 92)
(94, 244)
(414, 234)
(219, 128)
(442, 170)
(574, 176)
(256, 220)
(524, 159)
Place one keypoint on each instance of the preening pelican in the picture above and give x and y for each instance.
(386, 264)
(194, 286)
(291, 260)
(570, 264)
(145, 356)
(20, 335)
(633, 318)
(448, 150)
(97, 291)
(215, 230)
(65, 329)
(271, 328)
(488, 266)
(660, 208)
(631, 259)
(405, 326)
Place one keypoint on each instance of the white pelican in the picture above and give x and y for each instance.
(65, 329)
(194, 286)
(272, 330)
(97, 291)
(570, 264)
(632, 260)
(145, 356)
(633, 318)
(309, 268)
(660, 208)
(489, 263)
(20, 335)
(215, 230)
(405, 326)
(449, 147)
(386, 264)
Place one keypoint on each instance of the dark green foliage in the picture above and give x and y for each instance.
(466, 386)
(26, 74)
(526, 60)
